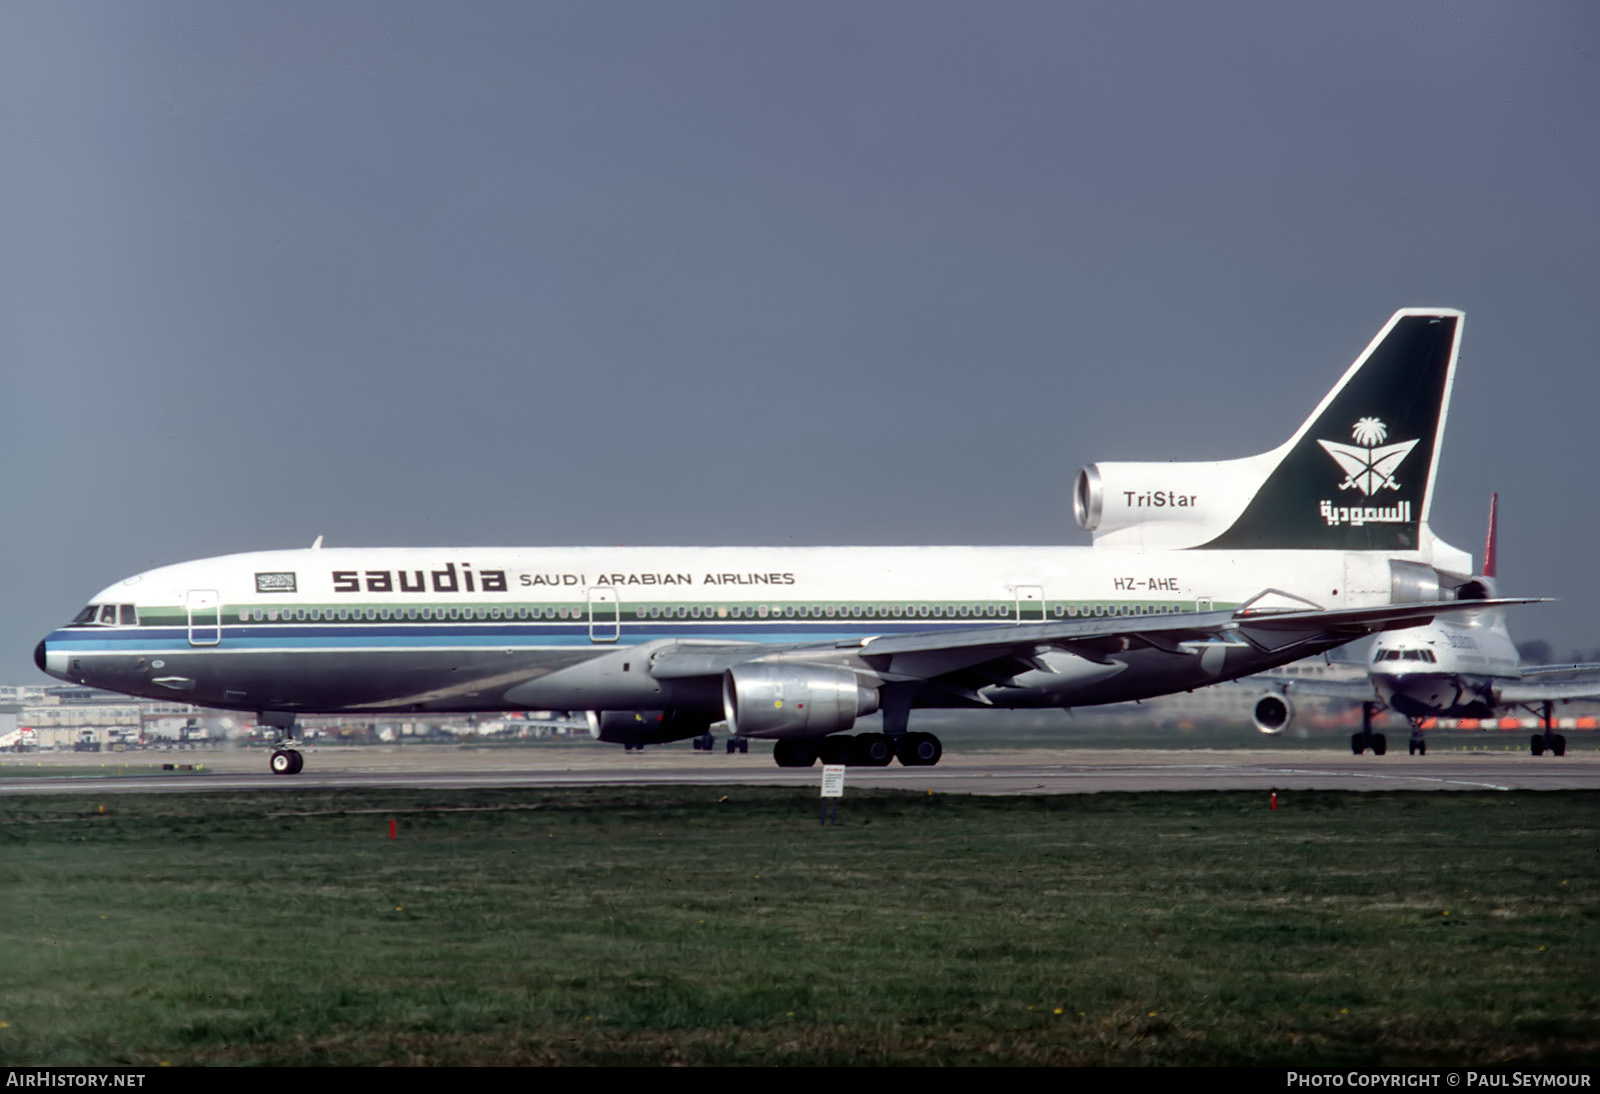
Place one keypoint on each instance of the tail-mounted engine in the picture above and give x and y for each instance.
(1415, 583)
(775, 699)
(1168, 505)
(1272, 713)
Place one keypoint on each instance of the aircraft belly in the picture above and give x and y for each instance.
(328, 680)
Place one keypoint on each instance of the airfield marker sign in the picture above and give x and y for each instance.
(832, 791)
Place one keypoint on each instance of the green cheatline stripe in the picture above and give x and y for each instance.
(674, 611)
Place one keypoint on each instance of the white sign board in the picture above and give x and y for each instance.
(833, 780)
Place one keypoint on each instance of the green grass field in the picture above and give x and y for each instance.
(706, 925)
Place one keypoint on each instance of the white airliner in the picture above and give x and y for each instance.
(1199, 573)
(1463, 666)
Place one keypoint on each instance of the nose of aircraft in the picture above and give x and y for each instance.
(43, 658)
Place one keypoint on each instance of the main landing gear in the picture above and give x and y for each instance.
(861, 750)
(1548, 740)
(707, 742)
(1360, 742)
(285, 760)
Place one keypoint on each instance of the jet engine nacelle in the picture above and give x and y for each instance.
(1161, 504)
(779, 700)
(645, 727)
(1272, 713)
(1414, 583)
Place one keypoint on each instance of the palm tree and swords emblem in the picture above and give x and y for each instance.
(1369, 464)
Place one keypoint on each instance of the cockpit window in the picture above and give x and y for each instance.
(106, 615)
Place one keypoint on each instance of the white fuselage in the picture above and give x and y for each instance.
(447, 628)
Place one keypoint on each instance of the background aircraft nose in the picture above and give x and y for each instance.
(38, 655)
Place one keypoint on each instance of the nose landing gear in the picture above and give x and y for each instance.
(1418, 745)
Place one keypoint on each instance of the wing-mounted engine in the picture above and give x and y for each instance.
(777, 699)
(1272, 713)
(1165, 505)
(646, 727)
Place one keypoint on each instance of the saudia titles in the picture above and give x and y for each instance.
(466, 580)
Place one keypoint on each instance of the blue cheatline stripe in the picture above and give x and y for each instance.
(820, 628)
(475, 636)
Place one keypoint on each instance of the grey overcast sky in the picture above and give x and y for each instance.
(748, 272)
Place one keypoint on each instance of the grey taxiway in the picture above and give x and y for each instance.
(1020, 771)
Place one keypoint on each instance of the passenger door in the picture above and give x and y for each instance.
(205, 617)
(605, 615)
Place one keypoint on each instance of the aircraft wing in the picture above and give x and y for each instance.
(1553, 682)
(925, 655)
(1359, 691)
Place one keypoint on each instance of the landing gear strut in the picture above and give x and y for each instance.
(1418, 745)
(285, 760)
(1549, 740)
(1360, 742)
(911, 749)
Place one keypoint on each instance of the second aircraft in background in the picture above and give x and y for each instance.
(1459, 666)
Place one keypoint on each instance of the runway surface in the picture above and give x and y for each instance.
(1020, 771)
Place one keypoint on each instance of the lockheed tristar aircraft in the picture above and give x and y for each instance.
(1199, 573)
(1461, 666)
